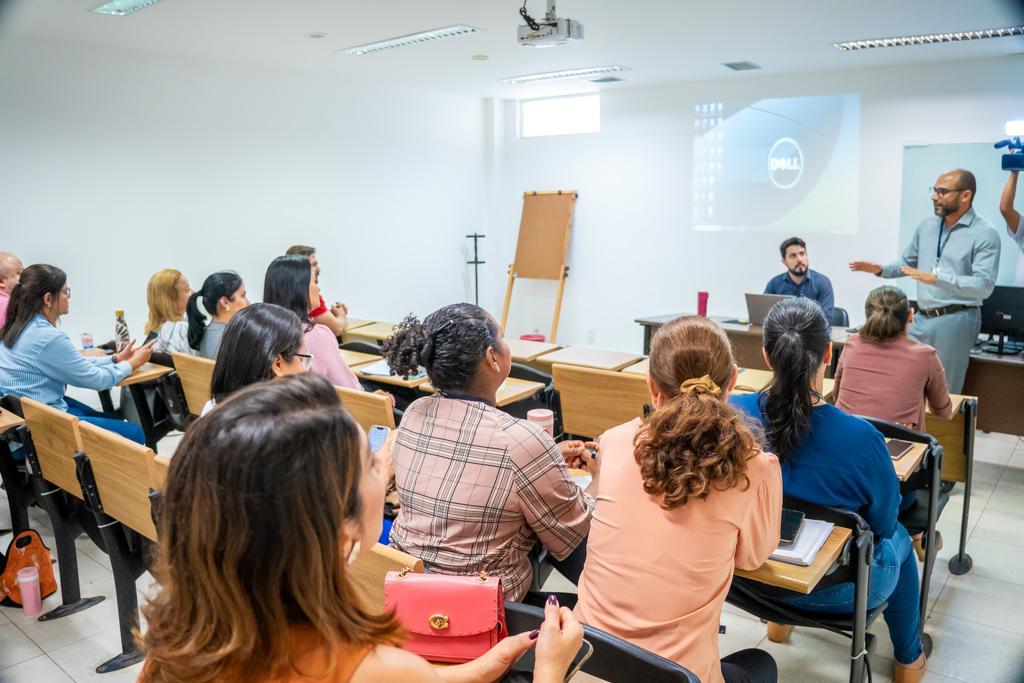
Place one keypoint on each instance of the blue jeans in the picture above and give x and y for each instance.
(893, 578)
(128, 430)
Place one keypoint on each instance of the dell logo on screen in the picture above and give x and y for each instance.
(785, 163)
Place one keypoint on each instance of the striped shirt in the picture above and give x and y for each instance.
(478, 488)
(43, 362)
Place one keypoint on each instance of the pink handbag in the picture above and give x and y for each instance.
(447, 618)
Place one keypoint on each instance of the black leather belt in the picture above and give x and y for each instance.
(945, 310)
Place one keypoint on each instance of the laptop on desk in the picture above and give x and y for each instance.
(758, 306)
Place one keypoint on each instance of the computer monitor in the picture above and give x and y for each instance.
(1002, 314)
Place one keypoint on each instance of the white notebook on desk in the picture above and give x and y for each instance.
(812, 535)
(381, 368)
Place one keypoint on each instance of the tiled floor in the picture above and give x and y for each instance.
(975, 620)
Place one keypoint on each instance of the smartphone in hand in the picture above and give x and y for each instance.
(377, 436)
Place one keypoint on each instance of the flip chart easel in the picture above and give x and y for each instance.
(543, 245)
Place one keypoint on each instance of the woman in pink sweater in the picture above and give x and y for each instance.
(883, 373)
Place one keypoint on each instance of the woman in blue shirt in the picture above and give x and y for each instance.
(37, 360)
(831, 458)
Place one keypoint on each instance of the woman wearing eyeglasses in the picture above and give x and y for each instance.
(261, 342)
(39, 361)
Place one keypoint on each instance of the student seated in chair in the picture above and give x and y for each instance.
(167, 294)
(261, 342)
(223, 295)
(335, 317)
(253, 579)
(38, 360)
(831, 458)
(477, 486)
(686, 495)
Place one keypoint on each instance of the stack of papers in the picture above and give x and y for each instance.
(381, 368)
(812, 535)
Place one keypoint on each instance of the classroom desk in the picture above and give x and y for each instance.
(354, 358)
(136, 383)
(795, 577)
(355, 323)
(373, 333)
(638, 368)
(524, 351)
(510, 391)
(909, 461)
(393, 380)
(600, 359)
(9, 421)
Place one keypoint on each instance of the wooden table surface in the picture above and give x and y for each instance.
(147, 372)
(524, 351)
(639, 368)
(354, 358)
(908, 462)
(510, 391)
(9, 421)
(795, 577)
(602, 359)
(355, 323)
(374, 331)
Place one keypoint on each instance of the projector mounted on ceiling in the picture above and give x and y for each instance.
(548, 32)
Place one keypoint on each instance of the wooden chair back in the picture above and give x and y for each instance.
(56, 439)
(367, 407)
(369, 570)
(196, 374)
(596, 400)
(158, 472)
(121, 469)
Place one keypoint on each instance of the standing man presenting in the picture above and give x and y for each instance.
(799, 279)
(955, 259)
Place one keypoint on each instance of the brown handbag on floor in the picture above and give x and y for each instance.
(26, 550)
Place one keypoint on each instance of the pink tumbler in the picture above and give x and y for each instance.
(702, 304)
(28, 584)
(543, 418)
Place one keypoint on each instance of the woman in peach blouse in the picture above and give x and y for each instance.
(686, 496)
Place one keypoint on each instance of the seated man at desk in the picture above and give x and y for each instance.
(799, 279)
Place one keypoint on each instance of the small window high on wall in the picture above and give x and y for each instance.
(560, 116)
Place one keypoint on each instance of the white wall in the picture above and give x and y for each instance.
(114, 165)
(633, 252)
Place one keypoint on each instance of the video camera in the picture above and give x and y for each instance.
(1013, 160)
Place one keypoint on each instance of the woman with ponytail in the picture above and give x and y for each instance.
(223, 294)
(687, 496)
(832, 458)
(886, 374)
(477, 486)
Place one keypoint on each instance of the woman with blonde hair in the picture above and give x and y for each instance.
(167, 295)
(686, 496)
(268, 502)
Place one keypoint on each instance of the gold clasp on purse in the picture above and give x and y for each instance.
(405, 570)
(438, 621)
(481, 577)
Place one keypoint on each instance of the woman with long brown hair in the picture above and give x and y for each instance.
(686, 496)
(268, 501)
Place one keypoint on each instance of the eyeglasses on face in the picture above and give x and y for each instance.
(943, 191)
(306, 359)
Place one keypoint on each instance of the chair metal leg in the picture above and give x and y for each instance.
(126, 570)
(65, 530)
(858, 646)
(961, 563)
(934, 477)
(17, 498)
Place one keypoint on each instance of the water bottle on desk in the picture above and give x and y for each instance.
(121, 335)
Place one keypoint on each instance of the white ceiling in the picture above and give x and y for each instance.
(659, 40)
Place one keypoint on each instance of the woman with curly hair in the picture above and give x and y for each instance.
(686, 496)
(479, 487)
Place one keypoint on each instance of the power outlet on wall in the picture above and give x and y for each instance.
(591, 337)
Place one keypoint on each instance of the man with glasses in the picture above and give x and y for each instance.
(955, 259)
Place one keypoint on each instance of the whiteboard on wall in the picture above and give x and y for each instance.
(922, 165)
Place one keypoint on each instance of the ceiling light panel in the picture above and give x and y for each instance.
(411, 39)
(122, 7)
(588, 73)
(930, 38)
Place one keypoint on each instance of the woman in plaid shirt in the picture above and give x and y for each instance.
(478, 487)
